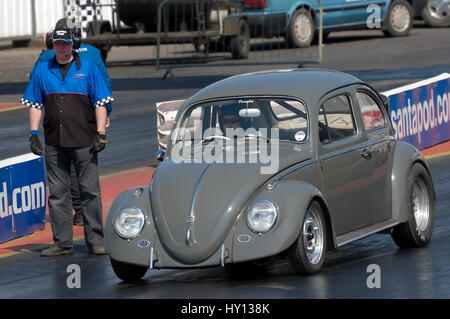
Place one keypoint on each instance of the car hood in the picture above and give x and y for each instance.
(214, 194)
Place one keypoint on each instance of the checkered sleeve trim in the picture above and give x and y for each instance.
(32, 104)
(104, 101)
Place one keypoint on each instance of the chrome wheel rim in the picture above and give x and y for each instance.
(302, 27)
(313, 236)
(420, 205)
(439, 9)
(400, 18)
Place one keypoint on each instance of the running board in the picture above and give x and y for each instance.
(364, 232)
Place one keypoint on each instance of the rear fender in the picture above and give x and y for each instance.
(404, 158)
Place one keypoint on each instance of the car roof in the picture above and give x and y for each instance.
(307, 84)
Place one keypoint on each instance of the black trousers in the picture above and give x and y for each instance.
(58, 161)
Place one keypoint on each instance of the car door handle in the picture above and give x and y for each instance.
(366, 153)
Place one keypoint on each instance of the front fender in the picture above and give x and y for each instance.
(300, 4)
(292, 199)
(128, 250)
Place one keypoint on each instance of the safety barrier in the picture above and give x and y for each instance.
(22, 196)
(420, 112)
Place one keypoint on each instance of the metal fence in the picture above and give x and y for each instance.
(228, 33)
(186, 33)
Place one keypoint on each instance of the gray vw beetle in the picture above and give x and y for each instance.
(279, 163)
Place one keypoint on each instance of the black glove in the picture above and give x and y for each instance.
(100, 143)
(35, 144)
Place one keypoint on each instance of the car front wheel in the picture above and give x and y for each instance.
(128, 272)
(416, 232)
(399, 19)
(307, 254)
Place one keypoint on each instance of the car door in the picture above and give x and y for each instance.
(357, 12)
(381, 151)
(345, 170)
(332, 10)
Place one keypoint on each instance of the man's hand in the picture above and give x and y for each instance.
(100, 143)
(35, 144)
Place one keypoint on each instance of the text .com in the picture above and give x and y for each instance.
(421, 117)
(24, 199)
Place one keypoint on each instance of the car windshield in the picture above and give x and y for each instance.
(282, 118)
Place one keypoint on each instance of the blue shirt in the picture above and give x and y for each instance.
(86, 51)
(70, 104)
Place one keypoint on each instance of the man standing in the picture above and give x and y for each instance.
(91, 53)
(73, 95)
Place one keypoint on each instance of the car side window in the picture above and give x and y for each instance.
(291, 119)
(336, 120)
(370, 110)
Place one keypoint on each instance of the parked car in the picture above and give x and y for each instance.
(436, 13)
(338, 175)
(298, 20)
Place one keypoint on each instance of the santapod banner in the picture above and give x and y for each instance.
(22, 196)
(420, 111)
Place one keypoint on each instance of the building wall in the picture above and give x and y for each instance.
(26, 19)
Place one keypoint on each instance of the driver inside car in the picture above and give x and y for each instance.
(229, 119)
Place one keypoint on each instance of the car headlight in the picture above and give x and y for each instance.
(261, 215)
(129, 222)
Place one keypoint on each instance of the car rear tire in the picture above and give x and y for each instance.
(436, 13)
(128, 272)
(301, 30)
(399, 19)
(240, 43)
(416, 232)
(307, 254)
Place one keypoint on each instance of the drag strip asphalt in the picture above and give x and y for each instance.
(405, 273)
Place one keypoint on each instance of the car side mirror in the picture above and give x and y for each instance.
(160, 155)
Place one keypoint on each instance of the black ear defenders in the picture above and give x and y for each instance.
(76, 38)
(75, 34)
